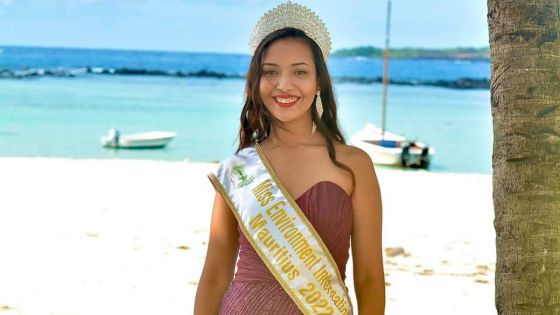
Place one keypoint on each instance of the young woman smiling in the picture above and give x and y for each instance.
(289, 131)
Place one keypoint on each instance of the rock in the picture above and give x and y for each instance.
(480, 280)
(396, 251)
(482, 269)
(426, 272)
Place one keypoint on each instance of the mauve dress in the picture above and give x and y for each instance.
(254, 290)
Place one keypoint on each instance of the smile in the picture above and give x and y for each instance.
(286, 101)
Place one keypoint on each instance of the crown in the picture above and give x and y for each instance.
(292, 15)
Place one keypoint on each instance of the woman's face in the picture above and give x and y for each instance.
(288, 81)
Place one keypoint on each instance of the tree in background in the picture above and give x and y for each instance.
(525, 92)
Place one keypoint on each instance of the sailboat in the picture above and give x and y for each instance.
(388, 148)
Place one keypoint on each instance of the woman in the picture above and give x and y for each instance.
(322, 192)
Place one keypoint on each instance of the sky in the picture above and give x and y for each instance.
(225, 25)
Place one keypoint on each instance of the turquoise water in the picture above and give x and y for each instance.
(65, 117)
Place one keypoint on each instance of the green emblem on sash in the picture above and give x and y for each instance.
(242, 178)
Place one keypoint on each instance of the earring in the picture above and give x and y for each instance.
(319, 107)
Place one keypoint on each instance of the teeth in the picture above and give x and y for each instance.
(286, 100)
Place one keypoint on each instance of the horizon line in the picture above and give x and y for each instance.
(215, 52)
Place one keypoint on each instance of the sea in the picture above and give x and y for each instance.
(58, 102)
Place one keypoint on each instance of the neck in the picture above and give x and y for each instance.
(293, 134)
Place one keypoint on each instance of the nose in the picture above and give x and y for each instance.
(284, 82)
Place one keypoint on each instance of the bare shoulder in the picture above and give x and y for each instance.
(357, 159)
(365, 179)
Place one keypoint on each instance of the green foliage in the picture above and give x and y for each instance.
(409, 52)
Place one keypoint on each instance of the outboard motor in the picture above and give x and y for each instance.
(425, 162)
(405, 155)
(414, 160)
(114, 137)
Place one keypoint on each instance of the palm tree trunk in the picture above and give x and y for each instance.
(525, 93)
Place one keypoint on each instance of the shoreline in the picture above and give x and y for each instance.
(91, 236)
(377, 167)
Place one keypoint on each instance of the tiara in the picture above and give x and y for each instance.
(292, 15)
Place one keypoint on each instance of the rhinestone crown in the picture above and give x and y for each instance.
(292, 15)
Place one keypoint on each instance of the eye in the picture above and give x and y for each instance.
(268, 72)
(301, 72)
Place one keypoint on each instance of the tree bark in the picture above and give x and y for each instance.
(525, 95)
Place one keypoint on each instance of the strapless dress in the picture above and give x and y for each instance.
(254, 290)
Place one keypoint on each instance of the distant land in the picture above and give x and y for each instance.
(463, 53)
(74, 62)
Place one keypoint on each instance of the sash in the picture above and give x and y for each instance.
(280, 233)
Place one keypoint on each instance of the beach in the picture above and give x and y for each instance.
(114, 236)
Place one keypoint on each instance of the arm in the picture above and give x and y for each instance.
(221, 256)
(369, 277)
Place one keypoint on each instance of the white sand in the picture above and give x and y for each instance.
(129, 237)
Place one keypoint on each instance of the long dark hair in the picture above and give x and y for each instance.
(256, 120)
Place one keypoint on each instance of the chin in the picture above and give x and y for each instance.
(288, 117)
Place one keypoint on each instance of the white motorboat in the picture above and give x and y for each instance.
(392, 149)
(144, 140)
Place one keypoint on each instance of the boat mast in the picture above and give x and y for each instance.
(385, 69)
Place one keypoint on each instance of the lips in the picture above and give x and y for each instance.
(285, 100)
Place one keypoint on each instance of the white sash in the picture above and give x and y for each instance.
(280, 233)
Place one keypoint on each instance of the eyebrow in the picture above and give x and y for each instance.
(293, 64)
